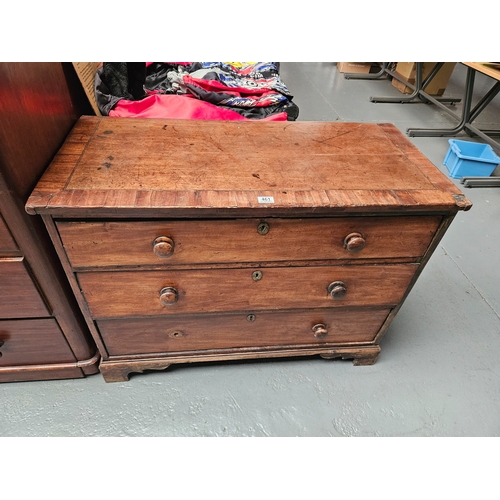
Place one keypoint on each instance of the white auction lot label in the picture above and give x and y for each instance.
(265, 199)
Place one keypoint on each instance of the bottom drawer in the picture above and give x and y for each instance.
(33, 342)
(226, 331)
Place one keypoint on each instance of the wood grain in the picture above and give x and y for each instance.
(39, 105)
(40, 372)
(7, 243)
(485, 69)
(117, 370)
(19, 297)
(111, 163)
(114, 243)
(228, 331)
(214, 288)
(33, 342)
(137, 293)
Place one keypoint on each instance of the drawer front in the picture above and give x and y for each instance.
(32, 342)
(7, 243)
(138, 293)
(101, 244)
(226, 331)
(19, 297)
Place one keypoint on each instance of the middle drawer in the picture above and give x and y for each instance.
(170, 243)
(148, 293)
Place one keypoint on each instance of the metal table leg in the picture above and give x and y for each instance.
(370, 76)
(468, 116)
(472, 130)
(480, 181)
(469, 85)
(417, 88)
(486, 138)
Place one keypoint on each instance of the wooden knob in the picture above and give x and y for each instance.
(337, 289)
(163, 246)
(354, 242)
(169, 296)
(320, 330)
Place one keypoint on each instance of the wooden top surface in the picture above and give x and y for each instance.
(127, 166)
(485, 68)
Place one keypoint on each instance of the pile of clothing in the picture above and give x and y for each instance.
(195, 91)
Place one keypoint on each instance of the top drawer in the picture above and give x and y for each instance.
(116, 243)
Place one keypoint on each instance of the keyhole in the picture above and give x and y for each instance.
(263, 228)
(257, 275)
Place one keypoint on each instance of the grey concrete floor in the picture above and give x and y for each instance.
(438, 373)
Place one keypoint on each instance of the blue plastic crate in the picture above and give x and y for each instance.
(470, 159)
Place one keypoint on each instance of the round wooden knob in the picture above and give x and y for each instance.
(169, 296)
(163, 246)
(354, 242)
(320, 330)
(337, 289)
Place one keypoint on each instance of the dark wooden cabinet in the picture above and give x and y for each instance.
(190, 241)
(42, 331)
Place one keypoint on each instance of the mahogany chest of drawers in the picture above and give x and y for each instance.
(190, 241)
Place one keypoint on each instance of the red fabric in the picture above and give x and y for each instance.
(179, 107)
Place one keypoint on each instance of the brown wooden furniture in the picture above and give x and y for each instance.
(190, 241)
(43, 334)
